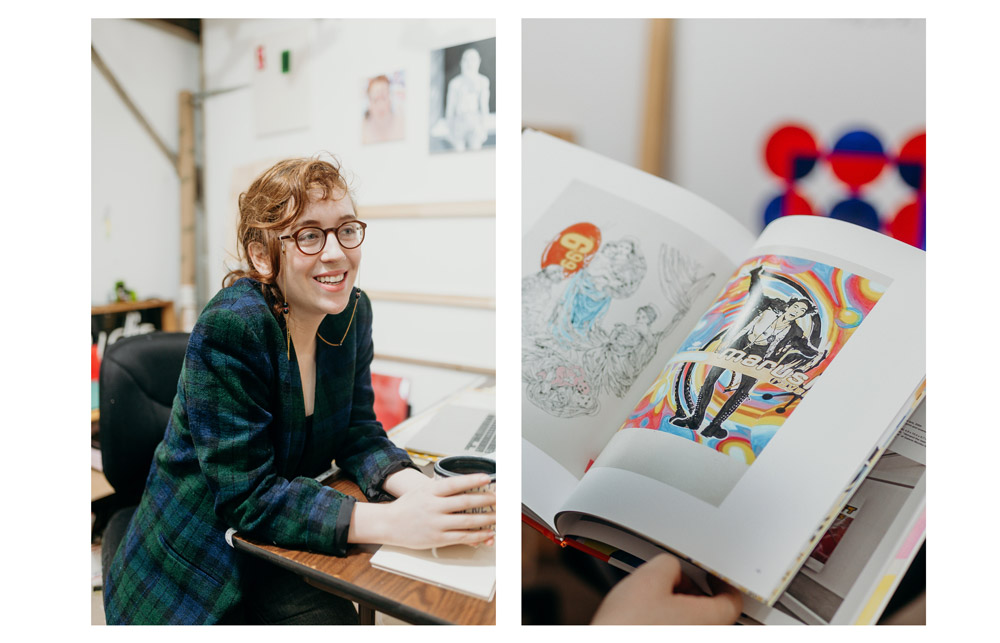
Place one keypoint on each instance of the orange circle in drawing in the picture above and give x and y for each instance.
(572, 248)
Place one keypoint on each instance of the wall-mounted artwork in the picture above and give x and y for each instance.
(384, 118)
(856, 160)
(463, 97)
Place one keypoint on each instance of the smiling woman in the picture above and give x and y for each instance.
(275, 385)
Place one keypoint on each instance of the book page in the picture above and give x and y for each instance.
(616, 266)
(776, 398)
(855, 568)
(852, 573)
(779, 323)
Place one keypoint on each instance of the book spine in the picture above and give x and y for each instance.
(543, 531)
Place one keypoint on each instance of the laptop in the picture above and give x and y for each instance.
(457, 430)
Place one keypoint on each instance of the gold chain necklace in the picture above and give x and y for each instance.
(353, 310)
(288, 335)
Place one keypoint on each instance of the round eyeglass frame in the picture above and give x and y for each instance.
(326, 234)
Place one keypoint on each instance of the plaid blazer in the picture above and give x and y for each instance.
(237, 452)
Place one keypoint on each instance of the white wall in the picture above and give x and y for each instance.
(587, 76)
(439, 256)
(135, 192)
(735, 80)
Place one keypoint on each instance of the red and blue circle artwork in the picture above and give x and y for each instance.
(857, 159)
(791, 152)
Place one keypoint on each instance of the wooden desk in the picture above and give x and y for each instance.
(353, 578)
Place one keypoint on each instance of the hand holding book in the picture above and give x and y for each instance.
(657, 593)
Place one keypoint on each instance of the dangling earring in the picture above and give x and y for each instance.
(288, 334)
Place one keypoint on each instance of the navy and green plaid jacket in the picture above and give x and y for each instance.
(238, 453)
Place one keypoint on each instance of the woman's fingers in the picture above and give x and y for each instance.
(483, 537)
(460, 484)
(457, 521)
(466, 501)
(727, 599)
(467, 521)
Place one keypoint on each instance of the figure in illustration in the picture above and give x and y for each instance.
(570, 358)
(774, 332)
(615, 363)
(681, 279)
(467, 105)
(555, 384)
(615, 272)
(621, 355)
(537, 299)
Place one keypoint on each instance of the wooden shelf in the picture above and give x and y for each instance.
(167, 318)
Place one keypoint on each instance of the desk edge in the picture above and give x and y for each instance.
(377, 601)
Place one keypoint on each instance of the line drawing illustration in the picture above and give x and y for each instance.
(571, 358)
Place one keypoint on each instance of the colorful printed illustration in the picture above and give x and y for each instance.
(570, 355)
(757, 351)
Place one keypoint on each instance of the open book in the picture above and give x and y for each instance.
(689, 387)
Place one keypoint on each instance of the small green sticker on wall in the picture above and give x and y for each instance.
(286, 61)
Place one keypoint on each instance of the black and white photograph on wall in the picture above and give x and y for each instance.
(463, 97)
(384, 118)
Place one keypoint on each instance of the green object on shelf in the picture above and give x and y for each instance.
(122, 293)
(286, 61)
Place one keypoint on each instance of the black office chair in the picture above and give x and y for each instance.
(138, 383)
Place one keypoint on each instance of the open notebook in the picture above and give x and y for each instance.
(460, 568)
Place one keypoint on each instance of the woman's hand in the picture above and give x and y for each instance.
(657, 593)
(403, 481)
(425, 516)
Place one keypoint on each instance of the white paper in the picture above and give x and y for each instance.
(461, 568)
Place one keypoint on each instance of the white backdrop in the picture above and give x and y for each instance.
(736, 80)
(733, 81)
(135, 192)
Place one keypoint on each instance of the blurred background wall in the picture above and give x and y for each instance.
(135, 188)
(720, 90)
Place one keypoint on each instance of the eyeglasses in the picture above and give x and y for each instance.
(311, 241)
